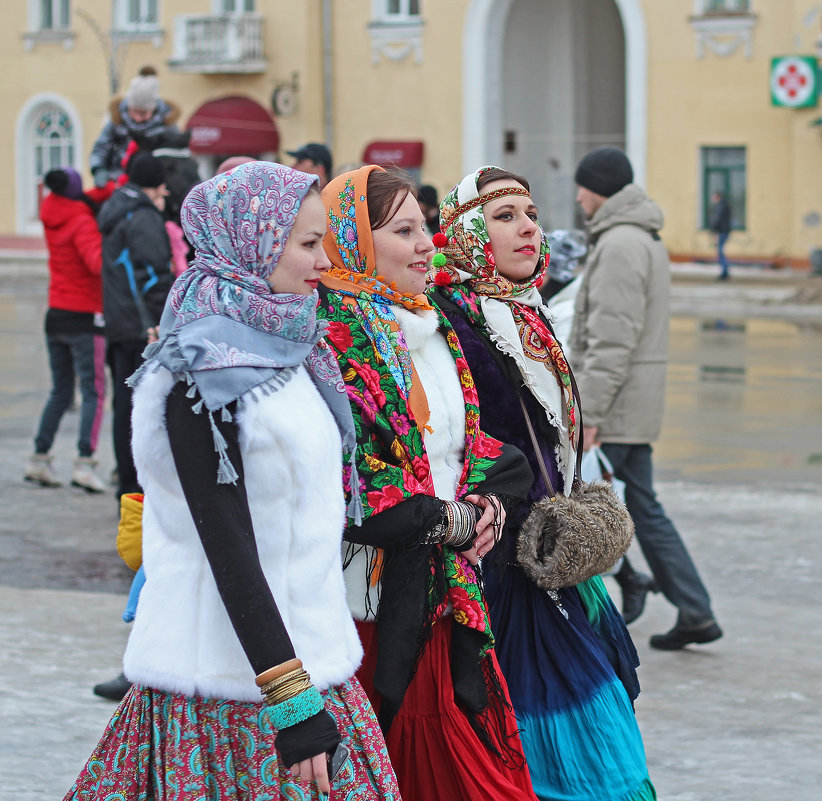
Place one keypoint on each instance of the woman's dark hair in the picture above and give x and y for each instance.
(497, 174)
(386, 190)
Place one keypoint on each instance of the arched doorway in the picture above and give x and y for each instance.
(48, 135)
(547, 80)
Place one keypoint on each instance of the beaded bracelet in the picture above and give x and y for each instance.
(297, 709)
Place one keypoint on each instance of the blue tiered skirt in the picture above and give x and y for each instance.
(571, 671)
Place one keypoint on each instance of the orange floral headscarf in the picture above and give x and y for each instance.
(349, 242)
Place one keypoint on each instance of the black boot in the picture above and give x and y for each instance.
(635, 587)
(678, 637)
(114, 690)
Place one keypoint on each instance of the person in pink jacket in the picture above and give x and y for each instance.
(73, 325)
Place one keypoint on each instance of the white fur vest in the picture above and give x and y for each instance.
(182, 639)
(444, 443)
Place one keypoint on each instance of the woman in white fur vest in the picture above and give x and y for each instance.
(240, 422)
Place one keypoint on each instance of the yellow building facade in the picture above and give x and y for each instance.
(443, 86)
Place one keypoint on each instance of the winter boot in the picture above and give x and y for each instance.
(39, 471)
(114, 690)
(83, 475)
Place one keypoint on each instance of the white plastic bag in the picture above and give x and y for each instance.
(597, 467)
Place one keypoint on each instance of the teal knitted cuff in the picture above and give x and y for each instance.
(297, 709)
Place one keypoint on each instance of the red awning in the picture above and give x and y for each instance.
(233, 126)
(399, 154)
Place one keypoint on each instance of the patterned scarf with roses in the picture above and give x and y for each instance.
(390, 410)
(513, 314)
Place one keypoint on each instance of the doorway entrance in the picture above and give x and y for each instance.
(545, 82)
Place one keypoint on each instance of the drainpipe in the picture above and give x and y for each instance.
(328, 73)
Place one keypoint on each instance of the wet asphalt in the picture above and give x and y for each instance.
(739, 467)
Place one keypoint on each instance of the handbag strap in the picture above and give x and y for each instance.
(543, 468)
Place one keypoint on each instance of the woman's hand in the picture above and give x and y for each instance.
(314, 770)
(488, 528)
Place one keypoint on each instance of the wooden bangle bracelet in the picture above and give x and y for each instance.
(278, 670)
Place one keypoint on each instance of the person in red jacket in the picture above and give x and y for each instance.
(74, 333)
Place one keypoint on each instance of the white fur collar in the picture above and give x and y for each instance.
(418, 327)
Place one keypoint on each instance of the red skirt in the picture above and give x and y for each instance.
(435, 752)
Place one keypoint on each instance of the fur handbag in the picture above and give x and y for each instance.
(568, 539)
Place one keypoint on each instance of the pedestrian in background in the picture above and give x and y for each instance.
(430, 207)
(619, 346)
(720, 224)
(314, 159)
(136, 279)
(74, 328)
(140, 116)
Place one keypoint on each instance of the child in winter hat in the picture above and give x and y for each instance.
(144, 91)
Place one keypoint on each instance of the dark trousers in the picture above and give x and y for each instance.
(123, 359)
(663, 548)
(74, 357)
(721, 239)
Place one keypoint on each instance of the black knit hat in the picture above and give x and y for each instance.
(145, 170)
(604, 171)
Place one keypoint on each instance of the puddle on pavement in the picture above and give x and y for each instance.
(744, 402)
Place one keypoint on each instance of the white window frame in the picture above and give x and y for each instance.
(219, 7)
(36, 34)
(36, 22)
(26, 200)
(702, 9)
(380, 12)
(142, 25)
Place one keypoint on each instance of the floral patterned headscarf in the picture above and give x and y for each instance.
(350, 245)
(391, 413)
(508, 310)
(223, 329)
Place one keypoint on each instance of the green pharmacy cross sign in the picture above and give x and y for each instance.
(794, 81)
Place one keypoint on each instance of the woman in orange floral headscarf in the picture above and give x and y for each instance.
(430, 483)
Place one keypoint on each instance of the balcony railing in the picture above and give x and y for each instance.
(218, 44)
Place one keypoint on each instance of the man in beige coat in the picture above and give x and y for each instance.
(619, 346)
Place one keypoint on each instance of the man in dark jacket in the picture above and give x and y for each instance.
(136, 280)
(720, 224)
(141, 116)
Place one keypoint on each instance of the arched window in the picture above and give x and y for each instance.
(48, 136)
(53, 141)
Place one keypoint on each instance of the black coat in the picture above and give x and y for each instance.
(721, 217)
(136, 264)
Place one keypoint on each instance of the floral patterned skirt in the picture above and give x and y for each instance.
(182, 748)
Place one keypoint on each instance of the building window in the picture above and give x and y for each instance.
(236, 6)
(136, 15)
(399, 10)
(724, 170)
(54, 15)
(53, 141)
(47, 135)
(396, 30)
(726, 7)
